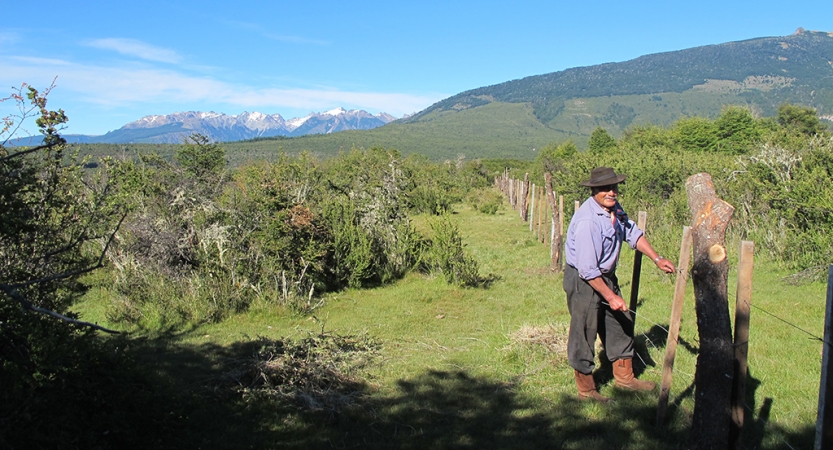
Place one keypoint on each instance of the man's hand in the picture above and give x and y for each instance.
(617, 303)
(665, 265)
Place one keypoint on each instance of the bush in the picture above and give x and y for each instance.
(445, 254)
(485, 200)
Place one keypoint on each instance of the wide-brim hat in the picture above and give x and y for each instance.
(603, 176)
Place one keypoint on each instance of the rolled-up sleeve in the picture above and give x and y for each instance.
(588, 237)
(632, 234)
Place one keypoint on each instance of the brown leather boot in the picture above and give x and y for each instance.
(587, 388)
(623, 372)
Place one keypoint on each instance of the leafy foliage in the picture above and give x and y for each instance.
(269, 233)
(772, 173)
(55, 221)
(600, 141)
(800, 119)
(446, 255)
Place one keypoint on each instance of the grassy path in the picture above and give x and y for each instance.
(454, 370)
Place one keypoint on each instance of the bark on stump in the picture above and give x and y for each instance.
(713, 379)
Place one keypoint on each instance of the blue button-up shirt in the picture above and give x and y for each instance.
(593, 243)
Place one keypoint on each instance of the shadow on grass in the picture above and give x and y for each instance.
(163, 394)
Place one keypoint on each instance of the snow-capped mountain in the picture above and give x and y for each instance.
(173, 128)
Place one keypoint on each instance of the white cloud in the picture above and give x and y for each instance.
(264, 32)
(295, 39)
(7, 37)
(116, 87)
(139, 49)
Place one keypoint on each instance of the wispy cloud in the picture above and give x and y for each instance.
(114, 87)
(294, 39)
(7, 37)
(139, 49)
(277, 37)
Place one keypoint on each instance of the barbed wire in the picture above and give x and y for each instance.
(790, 324)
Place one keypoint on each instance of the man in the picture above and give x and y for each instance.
(594, 240)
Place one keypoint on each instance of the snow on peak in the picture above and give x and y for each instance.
(336, 112)
(298, 121)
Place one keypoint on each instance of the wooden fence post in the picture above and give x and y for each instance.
(561, 249)
(542, 208)
(637, 268)
(824, 422)
(674, 326)
(742, 302)
(532, 208)
(710, 423)
(556, 239)
(524, 200)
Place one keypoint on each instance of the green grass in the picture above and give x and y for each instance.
(449, 375)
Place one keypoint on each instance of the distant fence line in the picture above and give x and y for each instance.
(536, 205)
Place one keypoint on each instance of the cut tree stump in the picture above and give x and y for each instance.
(709, 273)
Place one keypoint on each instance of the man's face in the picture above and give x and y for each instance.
(606, 195)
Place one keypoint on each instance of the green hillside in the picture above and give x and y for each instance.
(763, 72)
(495, 130)
(510, 119)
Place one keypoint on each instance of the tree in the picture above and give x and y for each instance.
(801, 119)
(696, 134)
(56, 223)
(200, 157)
(49, 212)
(737, 130)
(552, 156)
(601, 141)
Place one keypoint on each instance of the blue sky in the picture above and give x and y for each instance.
(116, 62)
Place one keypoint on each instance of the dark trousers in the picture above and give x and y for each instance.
(589, 316)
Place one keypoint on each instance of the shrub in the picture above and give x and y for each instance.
(445, 254)
(485, 200)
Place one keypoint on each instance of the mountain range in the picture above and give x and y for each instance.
(219, 127)
(514, 118)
